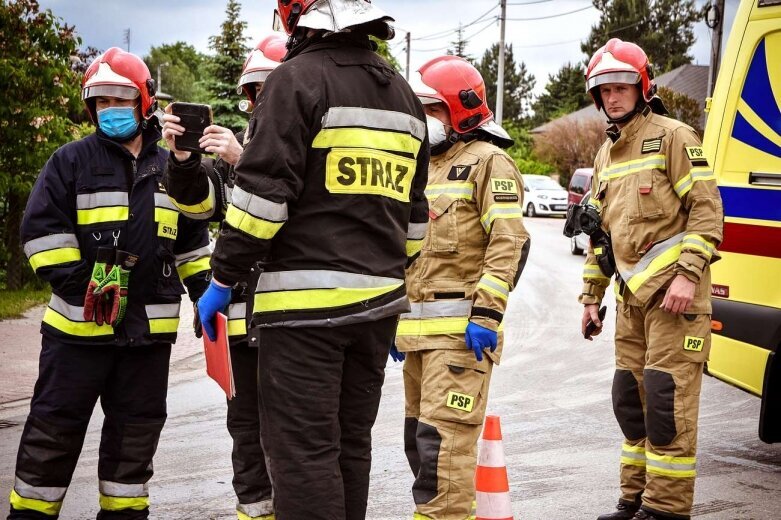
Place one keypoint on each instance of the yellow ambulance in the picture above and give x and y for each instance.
(743, 141)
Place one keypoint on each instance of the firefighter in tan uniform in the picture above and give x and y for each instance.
(659, 203)
(474, 250)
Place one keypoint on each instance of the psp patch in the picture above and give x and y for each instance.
(693, 343)
(652, 145)
(504, 186)
(696, 155)
(459, 173)
(462, 402)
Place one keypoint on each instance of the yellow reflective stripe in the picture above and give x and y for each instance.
(317, 298)
(20, 503)
(166, 216)
(75, 328)
(365, 138)
(616, 291)
(188, 269)
(633, 449)
(253, 226)
(657, 264)
(242, 516)
(495, 286)
(595, 202)
(200, 208)
(121, 503)
(669, 466)
(698, 173)
(699, 243)
(593, 272)
(85, 217)
(455, 190)
(502, 210)
(55, 257)
(237, 327)
(414, 247)
(622, 169)
(163, 325)
(432, 326)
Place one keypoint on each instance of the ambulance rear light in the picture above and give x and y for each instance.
(716, 326)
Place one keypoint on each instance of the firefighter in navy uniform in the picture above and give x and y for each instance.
(330, 191)
(475, 249)
(658, 200)
(101, 230)
(201, 188)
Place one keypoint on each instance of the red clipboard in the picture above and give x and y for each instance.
(218, 357)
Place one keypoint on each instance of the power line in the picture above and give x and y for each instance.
(529, 3)
(612, 31)
(549, 16)
(443, 34)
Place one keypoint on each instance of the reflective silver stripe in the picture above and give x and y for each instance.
(258, 206)
(416, 231)
(195, 254)
(101, 199)
(297, 280)
(237, 311)
(339, 117)
(163, 201)
(493, 285)
(162, 310)
(670, 465)
(631, 455)
(48, 242)
(441, 309)
(652, 253)
(228, 196)
(261, 508)
(116, 489)
(450, 190)
(396, 307)
(47, 494)
(72, 312)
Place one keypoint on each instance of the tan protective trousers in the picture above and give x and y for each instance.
(656, 398)
(446, 393)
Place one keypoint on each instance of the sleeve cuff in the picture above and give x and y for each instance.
(488, 323)
(591, 293)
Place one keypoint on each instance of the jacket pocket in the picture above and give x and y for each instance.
(646, 195)
(443, 228)
(458, 386)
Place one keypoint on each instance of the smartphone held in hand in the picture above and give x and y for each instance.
(195, 118)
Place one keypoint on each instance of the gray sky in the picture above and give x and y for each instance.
(544, 45)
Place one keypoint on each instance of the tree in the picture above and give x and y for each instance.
(683, 108)
(225, 69)
(459, 45)
(518, 83)
(522, 152)
(570, 145)
(564, 93)
(181, 67)
(41, 89)
(383, 49)
(663, 28)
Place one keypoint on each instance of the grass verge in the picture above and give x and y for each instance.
(14, 303)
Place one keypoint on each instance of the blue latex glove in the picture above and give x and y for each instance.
(214, 300)
(395, 354)
(477, 338)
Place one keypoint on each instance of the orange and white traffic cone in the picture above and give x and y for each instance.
(491, 485)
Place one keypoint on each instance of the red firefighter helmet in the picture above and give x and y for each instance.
(120, 74)
(328, 15)
(260, 62)
(455, 82)
(619, 62)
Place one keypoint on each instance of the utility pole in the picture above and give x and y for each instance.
(500, 73)
(409, 52)
(127, 39)
(715, 20)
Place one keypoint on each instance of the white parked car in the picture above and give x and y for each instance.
(543, 196)
(578, 245)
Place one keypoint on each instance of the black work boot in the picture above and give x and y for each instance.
(623, 512)
(646, 515)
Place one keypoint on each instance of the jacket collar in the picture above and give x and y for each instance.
(631, 128)
(150, 136)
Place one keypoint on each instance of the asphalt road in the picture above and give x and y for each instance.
(552, 392)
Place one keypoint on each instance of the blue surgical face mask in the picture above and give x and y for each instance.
(118, 122)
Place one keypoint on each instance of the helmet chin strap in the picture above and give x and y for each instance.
(447, 144)
(639, 107)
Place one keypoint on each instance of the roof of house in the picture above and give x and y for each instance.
(691, 80)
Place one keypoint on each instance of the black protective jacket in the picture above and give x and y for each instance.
(329, 192)
(93, 193)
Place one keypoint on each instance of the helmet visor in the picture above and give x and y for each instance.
(257, 76)
(115, 91)
(626, 77)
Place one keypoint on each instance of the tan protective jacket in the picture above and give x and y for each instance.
(659, 202)
(474, 251)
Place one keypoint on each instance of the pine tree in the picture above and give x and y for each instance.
(564, 93)
(459, 45)
(518, 84)
(663, 28)
(225, 69)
